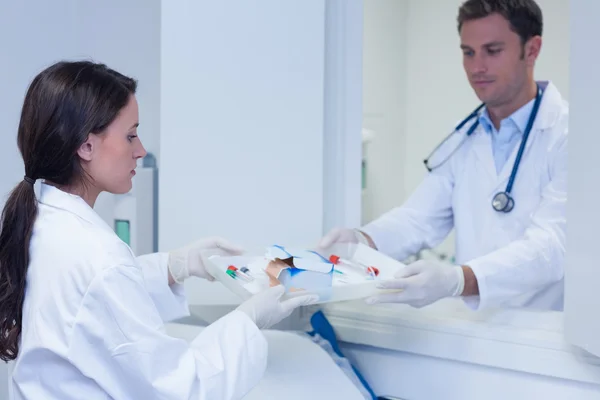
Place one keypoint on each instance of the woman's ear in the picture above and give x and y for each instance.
(87, 148)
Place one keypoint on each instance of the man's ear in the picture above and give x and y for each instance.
(532, 49)
(87, 148)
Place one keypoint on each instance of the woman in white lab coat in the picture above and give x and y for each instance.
(81, 315)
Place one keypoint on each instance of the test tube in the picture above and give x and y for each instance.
(231, 273)
(234, 272)
(370, 270)
(246, 272)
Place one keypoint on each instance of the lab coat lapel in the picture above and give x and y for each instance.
(482, 147)
(507, 169)
(548, 113)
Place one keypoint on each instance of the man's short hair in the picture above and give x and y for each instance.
(524, 16)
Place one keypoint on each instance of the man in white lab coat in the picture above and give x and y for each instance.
(500, 179)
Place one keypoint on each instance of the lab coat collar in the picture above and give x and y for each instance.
(551, 107)
(548, 114)
(519, 118)
(54, 197)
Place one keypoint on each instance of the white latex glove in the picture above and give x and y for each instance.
(266, 309)
(343, 235)
(422, 282)
(191, 260)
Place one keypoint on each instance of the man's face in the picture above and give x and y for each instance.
(495, 60)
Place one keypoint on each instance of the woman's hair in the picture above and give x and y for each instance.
(64, 104)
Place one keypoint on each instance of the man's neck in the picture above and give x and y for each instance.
(497, 114)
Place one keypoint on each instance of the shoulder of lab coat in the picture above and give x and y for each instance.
(170, 301)
(118, 339)
(536, 260)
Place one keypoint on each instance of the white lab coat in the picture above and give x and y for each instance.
(517, 257)
(93, 321)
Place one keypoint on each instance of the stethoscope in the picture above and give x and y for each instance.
(502, 201)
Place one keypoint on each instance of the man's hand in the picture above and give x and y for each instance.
(344, 235)
(422, 283)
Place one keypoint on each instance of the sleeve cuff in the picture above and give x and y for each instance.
(229, 327)
(170, 300)
(481, 301)
(376, 236)
(386, 240)
(240, 342)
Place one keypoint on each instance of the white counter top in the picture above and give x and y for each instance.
(517, 354)
(517, 340)
(297, 368)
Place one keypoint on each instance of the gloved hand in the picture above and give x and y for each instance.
(343, 235)
(266, 309)
(422, 282)
(191, 259)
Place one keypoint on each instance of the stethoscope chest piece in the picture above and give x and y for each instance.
(503, 202)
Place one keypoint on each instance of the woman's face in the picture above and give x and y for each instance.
(111, 157)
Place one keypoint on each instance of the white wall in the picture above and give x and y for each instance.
(242, 126)
(384, 103)
(34, 34)
(436, 96)
(343, 93)
(582, 299)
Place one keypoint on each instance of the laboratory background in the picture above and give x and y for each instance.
(275, 121)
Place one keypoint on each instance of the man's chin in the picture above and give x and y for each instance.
(485, 96)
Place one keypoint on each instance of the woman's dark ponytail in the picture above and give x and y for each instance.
(64, 104)
(16, 226)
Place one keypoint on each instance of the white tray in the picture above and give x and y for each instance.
(339, 291)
